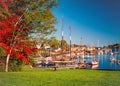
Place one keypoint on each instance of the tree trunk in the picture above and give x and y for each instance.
(7, 63)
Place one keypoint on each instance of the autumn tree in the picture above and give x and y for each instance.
(10, 36)
(20, 19)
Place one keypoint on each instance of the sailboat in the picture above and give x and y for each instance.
(94, 63)
(112, 59)
(115, 51)
(118, 62)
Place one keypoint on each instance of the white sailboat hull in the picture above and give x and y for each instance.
(94, 64)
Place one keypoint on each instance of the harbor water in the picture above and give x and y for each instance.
(104, 60)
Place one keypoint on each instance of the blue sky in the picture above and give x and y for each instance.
(92, 20)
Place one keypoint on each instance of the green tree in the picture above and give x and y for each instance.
(2, 59)
(38, 18)
(2, 52)
(64, 45)
(54, 43)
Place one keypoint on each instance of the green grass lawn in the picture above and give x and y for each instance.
(48, 77)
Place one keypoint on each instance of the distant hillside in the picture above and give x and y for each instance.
(114, 45)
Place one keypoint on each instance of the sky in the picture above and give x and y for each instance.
(97, 22)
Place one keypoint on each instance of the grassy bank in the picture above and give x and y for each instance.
(48, 77)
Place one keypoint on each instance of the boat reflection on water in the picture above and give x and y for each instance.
(103, 61)
(108, 61)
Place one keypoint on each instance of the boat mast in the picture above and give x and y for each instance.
(70, 40)
(98, 45)
(62, 37)
(81, 41)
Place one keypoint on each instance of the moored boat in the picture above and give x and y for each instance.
(94, 64)
(112, 59)
(118, 62)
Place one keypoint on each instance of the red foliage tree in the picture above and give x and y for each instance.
(4, 3)
(11, 37)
